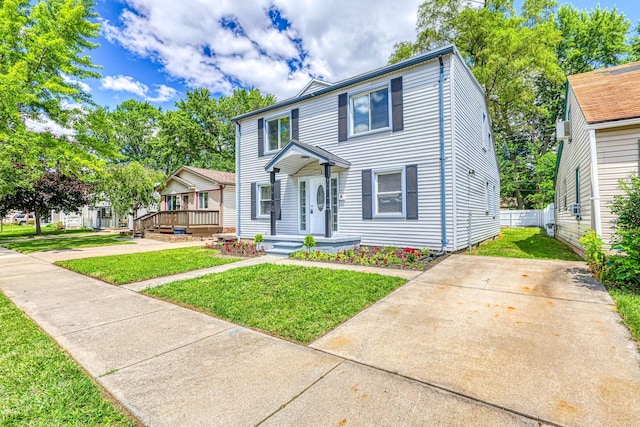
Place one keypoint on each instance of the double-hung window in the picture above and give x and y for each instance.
(370, 110)
(203, 200)
(278, 133)
(264, 200)
(389, 189)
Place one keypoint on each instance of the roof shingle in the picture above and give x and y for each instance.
(609, 94)
(217, 176)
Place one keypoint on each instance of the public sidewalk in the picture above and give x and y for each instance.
(472, 341)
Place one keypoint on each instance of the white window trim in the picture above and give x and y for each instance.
(485, 132)
(494, 200)
(259, 199)
(369, 89)
(306, 183)
(266, 121)
(376, 172)
(487, 197)
(200, 207)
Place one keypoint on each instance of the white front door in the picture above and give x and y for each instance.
(317, 205)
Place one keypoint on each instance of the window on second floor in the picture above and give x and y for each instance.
(370, 110)
(278, 133)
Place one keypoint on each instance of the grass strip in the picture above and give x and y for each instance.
(297, 303)
(121, 269)
(42, 245)
(530, 242)
(29, 231)
(40, 385)
(629, 308)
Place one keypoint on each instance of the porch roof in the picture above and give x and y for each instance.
(296, 155)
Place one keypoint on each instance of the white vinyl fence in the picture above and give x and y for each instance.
(543, 218)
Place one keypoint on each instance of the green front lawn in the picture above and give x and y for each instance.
(14, 231)
(39, 245)
(527, 242)
(40, 385)
(121, 269)
(298, 303)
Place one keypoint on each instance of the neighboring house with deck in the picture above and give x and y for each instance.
(398, 156)
(196, 200)
(600, 145)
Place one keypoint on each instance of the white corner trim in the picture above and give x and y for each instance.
(595, 184)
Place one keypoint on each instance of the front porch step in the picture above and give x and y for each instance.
(284, 248)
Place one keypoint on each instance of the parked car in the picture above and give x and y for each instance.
(21, 219)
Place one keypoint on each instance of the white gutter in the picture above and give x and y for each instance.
(595, 184)
(614, 124)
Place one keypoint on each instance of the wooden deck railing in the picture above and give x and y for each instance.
(176, 219)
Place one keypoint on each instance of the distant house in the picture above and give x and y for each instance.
(399, 156)
(199, 201)
(600, 145)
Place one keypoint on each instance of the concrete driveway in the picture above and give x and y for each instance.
(538, 338)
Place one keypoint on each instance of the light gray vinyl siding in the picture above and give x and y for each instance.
(229, 206)
(175, 187)
(618, 157)
(200, 182)
(473, 223)
(575, 154)
(314, 86)
(417, 144)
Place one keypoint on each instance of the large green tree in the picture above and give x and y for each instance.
(200, 131)
(43, 47)
(521, 58)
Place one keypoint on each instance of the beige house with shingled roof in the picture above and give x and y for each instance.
(600, 145)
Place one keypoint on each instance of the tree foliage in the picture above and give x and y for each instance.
(200, 131)
(130, 186)
(52, 191)
(43, 49)
(521, 58)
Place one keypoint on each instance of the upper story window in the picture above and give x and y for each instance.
(278, 133)
(370, 110)
(486, 135)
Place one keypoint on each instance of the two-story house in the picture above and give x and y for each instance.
(398, 156)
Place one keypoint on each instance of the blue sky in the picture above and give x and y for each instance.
(157, 49)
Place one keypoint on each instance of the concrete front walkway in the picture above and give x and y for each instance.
(473, 341)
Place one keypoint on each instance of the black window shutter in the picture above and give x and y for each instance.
(396, 104)
(411, 176)
(295, 115)
(260, 137)
(367, 205)
(277, 200)
(253, 200)
(342, 117)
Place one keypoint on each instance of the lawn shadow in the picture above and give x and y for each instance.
(541, 246)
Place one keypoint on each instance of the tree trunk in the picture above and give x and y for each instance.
(36, 215)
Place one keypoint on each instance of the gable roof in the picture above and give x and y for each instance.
(312, 86)
(609, 94)
(425, 57)
(210, 174)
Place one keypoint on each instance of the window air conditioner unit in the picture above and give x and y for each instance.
(563, 129)
(575, 209)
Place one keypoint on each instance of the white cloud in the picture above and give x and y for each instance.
(82, 85)
(128, 84)
(340, 39)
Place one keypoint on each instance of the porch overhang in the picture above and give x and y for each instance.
(296, 155)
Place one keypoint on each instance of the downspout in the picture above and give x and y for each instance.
(221, 210)
(443, 196)
(238, 181)
(595, 182)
